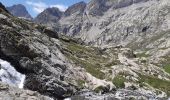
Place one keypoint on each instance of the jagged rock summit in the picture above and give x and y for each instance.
(49, 15)
(19, 10)
(77, 8)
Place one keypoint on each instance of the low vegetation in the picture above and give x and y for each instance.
(167, 68)
(118, 81)
(156, 83)
(143, 54)
(91, 58)
(166, 64)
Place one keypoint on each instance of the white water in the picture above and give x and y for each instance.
(67, 99)
(9, 75)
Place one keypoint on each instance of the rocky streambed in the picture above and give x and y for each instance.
(120, 94)
(10, 82)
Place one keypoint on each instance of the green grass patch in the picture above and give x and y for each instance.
(156, 83)
(118, 81)
(142, 54)
(81, 83)
(93, 59)
(90, 67)
(167, 68)
(165, 64)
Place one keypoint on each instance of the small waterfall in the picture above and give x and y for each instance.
(9, 75)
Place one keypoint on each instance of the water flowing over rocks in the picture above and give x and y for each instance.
(11, 81)
(9, 75)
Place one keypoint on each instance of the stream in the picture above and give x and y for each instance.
(9, 75)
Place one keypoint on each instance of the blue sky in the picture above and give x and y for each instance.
(36, 6)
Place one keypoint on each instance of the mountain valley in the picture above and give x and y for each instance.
(101, 50)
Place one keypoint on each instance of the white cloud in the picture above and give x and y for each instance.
(38, 7)
(59, 6)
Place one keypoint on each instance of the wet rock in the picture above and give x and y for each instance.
(12, 93)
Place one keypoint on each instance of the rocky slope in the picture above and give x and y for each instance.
(37, 52)
(60, 66)
(19, 11)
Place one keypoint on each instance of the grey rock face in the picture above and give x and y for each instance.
(50, 15)
(37, 52)
(12, 93)
(117, 22)
(98, 7)
(121, 94)
(19, 11)
(34, 56)
(76, 8)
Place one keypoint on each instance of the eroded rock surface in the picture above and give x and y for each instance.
(12, 93)
(35, 52)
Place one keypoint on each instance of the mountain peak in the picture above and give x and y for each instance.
(49, 15)
(19, 10)
(76, 8)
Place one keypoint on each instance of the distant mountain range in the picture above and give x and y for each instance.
(19, 10)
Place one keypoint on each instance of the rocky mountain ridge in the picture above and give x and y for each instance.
(50, 15)
(19, 11)
(116, 22)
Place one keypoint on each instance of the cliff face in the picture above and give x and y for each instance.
(77, 8)
(116, 22)
(33, 53)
